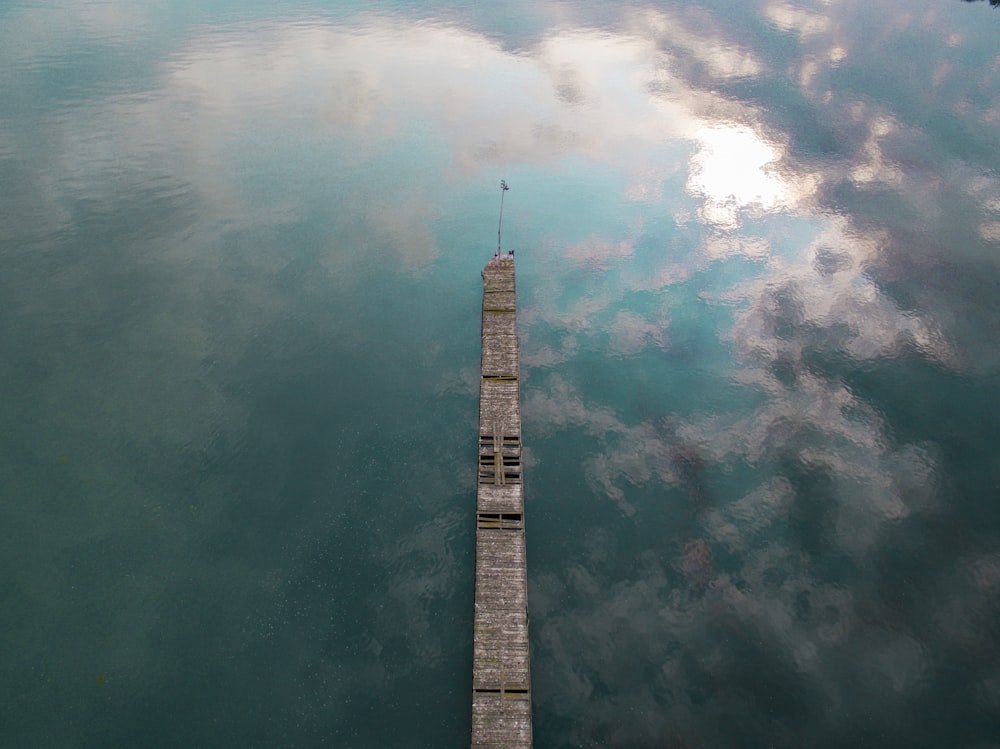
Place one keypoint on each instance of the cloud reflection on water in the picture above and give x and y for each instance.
(731, 171)
(781, 603)
(772, 601)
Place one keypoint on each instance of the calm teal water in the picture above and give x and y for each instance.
(759, 278)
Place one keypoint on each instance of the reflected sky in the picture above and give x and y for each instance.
(758, 274)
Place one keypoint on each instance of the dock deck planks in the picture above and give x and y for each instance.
(501, 674)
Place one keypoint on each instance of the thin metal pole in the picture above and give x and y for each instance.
(503, 189)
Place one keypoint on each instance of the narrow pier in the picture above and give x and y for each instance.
(501, 674)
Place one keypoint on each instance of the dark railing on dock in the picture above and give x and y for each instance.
(501, 674)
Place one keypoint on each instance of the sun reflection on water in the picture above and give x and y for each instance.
(733, 171)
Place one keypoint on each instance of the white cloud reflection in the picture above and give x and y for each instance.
(827, 287)
(788, 17)
(367, 89)
(696, 36)
(734, 170)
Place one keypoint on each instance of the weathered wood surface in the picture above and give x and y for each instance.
(501, 675)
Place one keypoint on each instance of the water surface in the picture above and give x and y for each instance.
(758, 300)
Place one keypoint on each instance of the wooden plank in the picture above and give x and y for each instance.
(501, 671)
(500, 356)
(506, 498)
(500, 301)
(500, 722)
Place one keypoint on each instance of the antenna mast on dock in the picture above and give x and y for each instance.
(503, 189)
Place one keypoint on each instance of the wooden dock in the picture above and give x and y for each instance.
(501, 674)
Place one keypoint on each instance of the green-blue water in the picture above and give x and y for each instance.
(758, 253)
